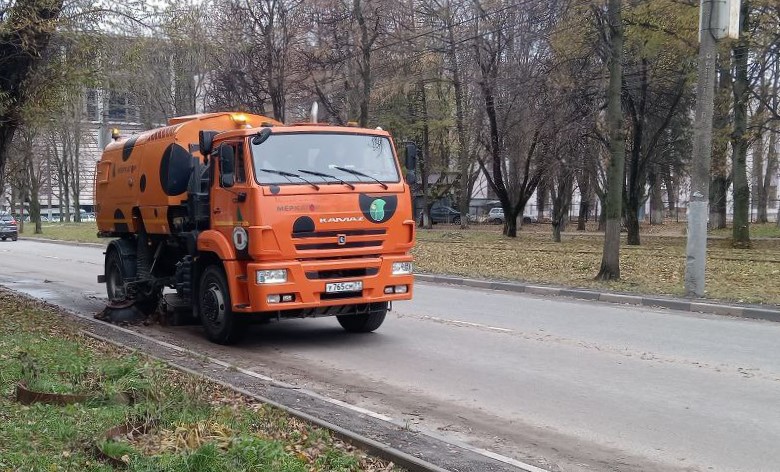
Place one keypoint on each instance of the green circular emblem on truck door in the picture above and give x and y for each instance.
(377, 209)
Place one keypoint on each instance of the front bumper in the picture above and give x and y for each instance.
(306, 281)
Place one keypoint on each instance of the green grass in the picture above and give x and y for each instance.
(656, 267)
(81, 232)
(764, 230)
(198, 426)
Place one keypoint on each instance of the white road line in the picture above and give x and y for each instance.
(467, 323)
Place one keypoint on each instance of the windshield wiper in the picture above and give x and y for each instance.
(320, 174)
(361, 174)
(287, 176)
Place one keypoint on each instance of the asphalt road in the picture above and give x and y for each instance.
(564, 384)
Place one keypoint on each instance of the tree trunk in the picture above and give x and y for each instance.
(656, 201)
(671, 196)
(582, 218)
(510, 225)
(771, 155)
(425, 164)
(719, 186)
(610, 260)
(739, 138)
(771, 169)
(556, 232)
(586, 195)
(541, 200)
(632, 223)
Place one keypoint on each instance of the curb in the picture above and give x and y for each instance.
(696, 305)
(61, 242)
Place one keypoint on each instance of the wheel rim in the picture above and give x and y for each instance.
(213, 305)
(116, 286)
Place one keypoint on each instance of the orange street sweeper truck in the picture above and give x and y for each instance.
(246, 218)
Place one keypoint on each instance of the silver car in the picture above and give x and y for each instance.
(8, 228)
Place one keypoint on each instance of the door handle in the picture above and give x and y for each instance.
(217, 210)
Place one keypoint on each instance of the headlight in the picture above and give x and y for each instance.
(277, 276)
(402, 268)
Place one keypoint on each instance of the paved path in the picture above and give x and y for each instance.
(564, 384)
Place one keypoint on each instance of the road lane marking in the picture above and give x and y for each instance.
(466, 324)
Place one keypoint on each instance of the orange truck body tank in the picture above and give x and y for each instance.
(323, 236)
(129, 177)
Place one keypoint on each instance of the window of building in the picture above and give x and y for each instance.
(121, 107)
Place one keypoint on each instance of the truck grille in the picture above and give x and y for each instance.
(341, 273)
(308, 242)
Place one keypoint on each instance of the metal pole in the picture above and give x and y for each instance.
(698, 211)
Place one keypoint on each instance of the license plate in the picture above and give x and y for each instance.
(338, 287)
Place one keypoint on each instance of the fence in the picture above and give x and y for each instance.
(678, 214)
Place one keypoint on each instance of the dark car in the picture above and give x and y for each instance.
(444, 214)
(8, 228)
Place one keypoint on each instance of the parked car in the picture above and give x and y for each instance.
(443, 214)
(496, 216)
(8, 228)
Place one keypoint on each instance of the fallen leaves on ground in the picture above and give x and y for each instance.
(657, 267)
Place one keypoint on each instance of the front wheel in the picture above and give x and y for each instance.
(456, 220)
(215, 307)
(364, 322)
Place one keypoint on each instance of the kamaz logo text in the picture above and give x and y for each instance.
(338, 219)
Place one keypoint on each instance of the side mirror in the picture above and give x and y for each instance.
(261, 136)
(227, 163)
(206, 141)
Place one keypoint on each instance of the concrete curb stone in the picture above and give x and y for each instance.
(768, 313)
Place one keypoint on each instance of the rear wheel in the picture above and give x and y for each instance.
(364, 322)
(456, 220)
(14, 238)
(215, 308)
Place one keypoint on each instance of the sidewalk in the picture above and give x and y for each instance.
(697, 305)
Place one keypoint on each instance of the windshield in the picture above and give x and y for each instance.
(324, 153)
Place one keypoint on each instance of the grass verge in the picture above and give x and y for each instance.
(198, 426)
(656, 267)
(80, 232)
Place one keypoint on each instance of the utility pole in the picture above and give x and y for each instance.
(716, 20)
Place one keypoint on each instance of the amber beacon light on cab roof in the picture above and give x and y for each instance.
(246, 218)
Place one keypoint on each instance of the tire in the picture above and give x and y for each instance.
(364, 322)
(456, 220)
(215, 308)
(115, 277)
(4, 238)
(14, 238)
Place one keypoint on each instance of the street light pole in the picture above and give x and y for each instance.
(716, 21)
(698, 205)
